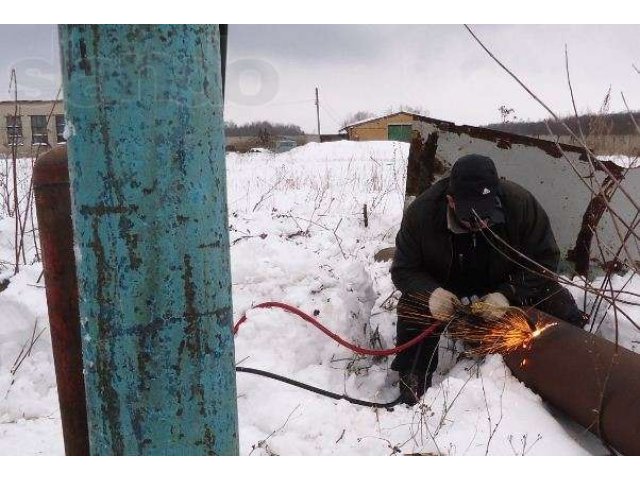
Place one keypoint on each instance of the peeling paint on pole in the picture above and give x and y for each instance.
(150, 219)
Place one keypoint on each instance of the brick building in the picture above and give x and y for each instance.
(37, 126)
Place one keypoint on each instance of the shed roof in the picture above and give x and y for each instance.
(378, 117)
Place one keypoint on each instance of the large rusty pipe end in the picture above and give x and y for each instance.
(592, 380)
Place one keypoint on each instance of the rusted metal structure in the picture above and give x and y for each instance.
(422, 165)
(543, 167)
(53, 208)
(595, 382)
(146, 161)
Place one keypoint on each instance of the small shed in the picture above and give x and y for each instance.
(393, 126)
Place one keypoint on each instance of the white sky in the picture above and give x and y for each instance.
(274, 69)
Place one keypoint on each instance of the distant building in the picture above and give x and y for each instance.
(274, 143)
(29, 129)
(393, 126)
(332, 137)
(285, 144)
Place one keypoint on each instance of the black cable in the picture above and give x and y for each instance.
(336, 396)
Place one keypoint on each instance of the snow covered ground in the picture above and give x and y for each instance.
(298, 236)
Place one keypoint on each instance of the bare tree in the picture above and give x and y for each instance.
(356, 117)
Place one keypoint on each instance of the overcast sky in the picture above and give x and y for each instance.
(274, 69)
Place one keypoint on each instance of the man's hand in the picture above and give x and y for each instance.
(494, 305)
(496, 299)
(442, 303)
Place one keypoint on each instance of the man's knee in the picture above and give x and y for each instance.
(410, 325)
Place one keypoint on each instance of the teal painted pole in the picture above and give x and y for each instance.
(147, 168)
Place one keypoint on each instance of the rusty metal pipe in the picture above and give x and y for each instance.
(53, 209)
(593, 381)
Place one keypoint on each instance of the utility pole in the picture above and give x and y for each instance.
(318, 112)
(224, 40)
(147, 170)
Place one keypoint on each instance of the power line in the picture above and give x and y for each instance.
(331, 117)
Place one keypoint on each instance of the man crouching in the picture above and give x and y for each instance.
(446, 251)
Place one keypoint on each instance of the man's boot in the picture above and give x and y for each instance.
(413, 385)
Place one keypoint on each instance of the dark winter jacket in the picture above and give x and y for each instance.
(424, 254)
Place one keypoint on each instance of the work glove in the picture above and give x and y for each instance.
(442, 303)
(494, 305)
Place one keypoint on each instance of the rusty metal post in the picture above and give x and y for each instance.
(580, 254)
(147, 168)
(429, 165)
(53, 208)
(592, 380)
(412, 186)
(422, 165)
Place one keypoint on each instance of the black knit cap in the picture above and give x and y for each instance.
(474, 185)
